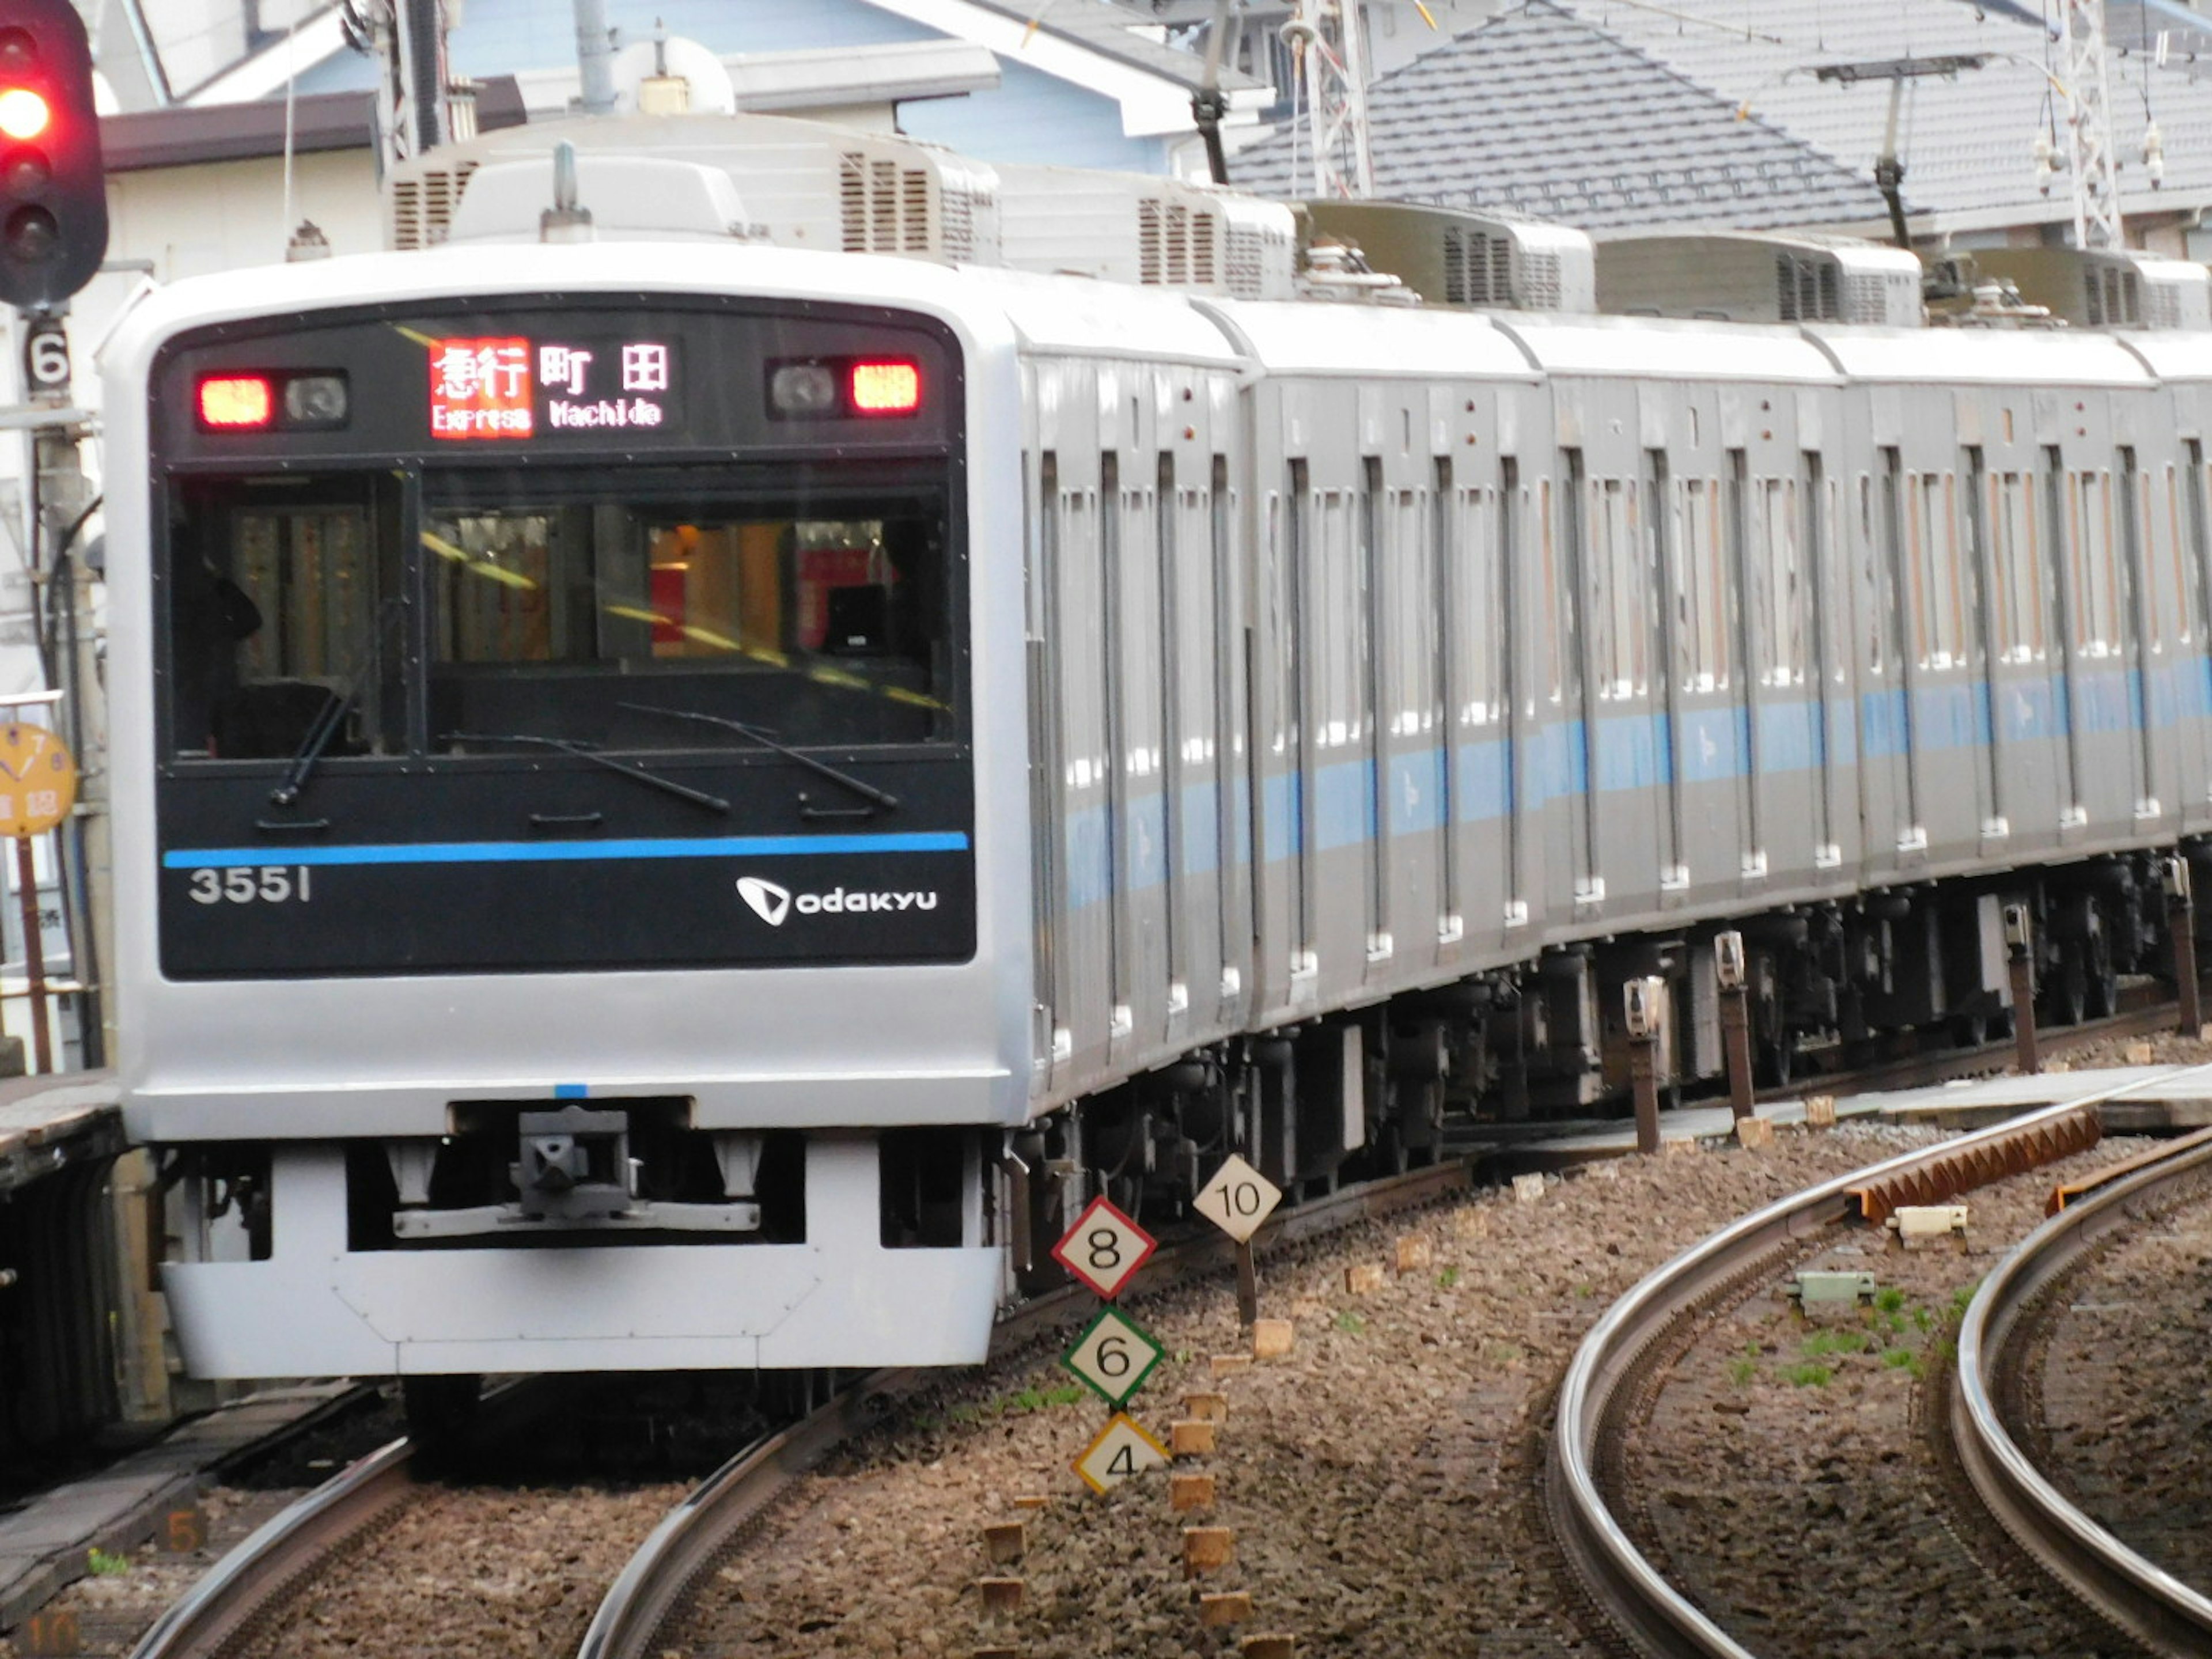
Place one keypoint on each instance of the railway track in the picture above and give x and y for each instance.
(239, 1597)
(2118, 1584)
(1612, 1375)
(223, 1613)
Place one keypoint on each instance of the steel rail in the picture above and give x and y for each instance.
(1655, 1617)
(208, 1618)
(2116, 1582)
(652, 1584)
(229, 1593)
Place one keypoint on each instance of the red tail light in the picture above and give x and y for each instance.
(886, 388)
(234, 402)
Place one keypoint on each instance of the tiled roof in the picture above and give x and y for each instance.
(1547, 112)
(1966, 142)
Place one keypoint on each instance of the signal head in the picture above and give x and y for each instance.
(54, 194)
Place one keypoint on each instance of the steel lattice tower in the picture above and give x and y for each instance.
(2091, 170)
(1331, 54)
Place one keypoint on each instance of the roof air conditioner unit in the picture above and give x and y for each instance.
(1746, 276)
(1453, 257)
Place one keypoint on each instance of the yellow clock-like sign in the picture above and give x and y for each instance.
(38, 781)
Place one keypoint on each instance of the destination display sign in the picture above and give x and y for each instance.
(511, 386)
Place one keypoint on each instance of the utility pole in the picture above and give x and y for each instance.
(2092, 171)
(1330, 46)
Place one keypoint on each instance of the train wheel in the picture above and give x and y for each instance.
(2103, 980)
(2066, 992)
(442, 1413)
(1778, 1059)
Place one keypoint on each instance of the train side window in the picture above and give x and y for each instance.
(1618, 610)
(1416, 618)
(1700, 588)
(2016, 564)
(1781, 592)
(2096, 600)
(1936, 607)
(1479, 618)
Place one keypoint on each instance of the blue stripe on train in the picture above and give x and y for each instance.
(575, 852)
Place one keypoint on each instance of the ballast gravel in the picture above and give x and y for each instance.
(1379, 1481)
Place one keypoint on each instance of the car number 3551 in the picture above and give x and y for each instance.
(257, 883)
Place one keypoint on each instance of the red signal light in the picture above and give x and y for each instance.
(236, 402)
(24, 114)
(885, 388)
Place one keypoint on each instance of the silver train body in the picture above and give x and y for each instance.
(1349, 700)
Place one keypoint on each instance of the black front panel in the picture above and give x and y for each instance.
(528, 638)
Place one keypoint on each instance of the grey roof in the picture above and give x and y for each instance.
(1544, 111)
(1116, 31)
(1966, 142)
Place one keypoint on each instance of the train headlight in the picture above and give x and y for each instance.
(803, 389)
(315, 400)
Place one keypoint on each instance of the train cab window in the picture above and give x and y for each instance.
(619, 621)
(280, 616)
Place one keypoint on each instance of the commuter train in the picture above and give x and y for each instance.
(683, 796)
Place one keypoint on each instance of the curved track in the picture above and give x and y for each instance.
(1601, 1389)
(2115, 1581)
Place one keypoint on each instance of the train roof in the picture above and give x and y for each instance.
(1310, 336)
(2173, 354)
(1078, 315)
(1668, 349)
(2031, 356)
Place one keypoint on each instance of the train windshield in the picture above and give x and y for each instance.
(473, 611)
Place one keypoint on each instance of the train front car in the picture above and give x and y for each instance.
(546, 764)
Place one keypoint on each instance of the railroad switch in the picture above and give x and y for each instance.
(1814, 1287)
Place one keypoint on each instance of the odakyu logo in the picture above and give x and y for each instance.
(772, 903)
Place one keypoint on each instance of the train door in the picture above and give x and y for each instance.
(1950, 782)
(1662, 527)
(2192, 667)
(1380, 815)
(1977, 558)
(1779, 678)
(2027, 749)
(1414, 800)
(1086, 972)
(1280, 750)
(1742, 534)
(1887, 704)
(1051, 1040)
(1570, 577)
(1817, 501)
(2106, 760)
(2142, 655)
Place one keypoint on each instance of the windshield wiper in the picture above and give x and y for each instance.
(585, 751)
(860, 786)
(332, 715)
